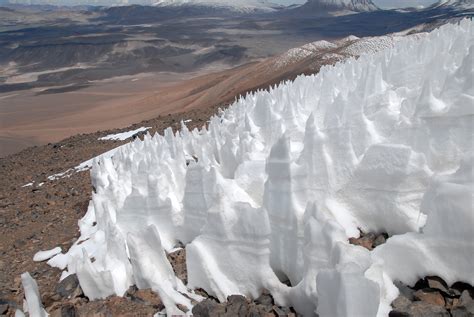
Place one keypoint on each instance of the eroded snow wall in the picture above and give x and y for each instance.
(276, 184)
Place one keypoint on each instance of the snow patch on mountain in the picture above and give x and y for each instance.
(300, 53)
(339, 50)
(244, 6)
(332, 5)
(123, 135)
(458, 4)
(278, 182)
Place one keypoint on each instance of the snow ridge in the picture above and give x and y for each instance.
(241, 6)
(352, 5)
(279, 181)
(457, 4)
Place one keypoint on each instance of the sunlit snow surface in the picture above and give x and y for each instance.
(281, 179)
(124, 135)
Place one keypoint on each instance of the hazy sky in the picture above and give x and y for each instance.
(380, 3)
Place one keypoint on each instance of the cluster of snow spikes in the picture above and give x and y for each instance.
(278, 182)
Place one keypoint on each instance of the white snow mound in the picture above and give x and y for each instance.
(279, 181)
(123, 135)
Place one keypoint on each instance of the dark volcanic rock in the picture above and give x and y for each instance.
(266, 301)
(431, 296)
(381, 239)
(405, 290)
(68, 310)
(466, 297)
(69, 287)
(207, 308)
(237, 305)
(3, 308)
(423, 309)
(257, 311)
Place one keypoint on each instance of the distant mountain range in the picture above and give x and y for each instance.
(336, 5)
(240, 6)
(313, 7)
(459, 4)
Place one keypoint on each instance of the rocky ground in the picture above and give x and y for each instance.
(45, 215)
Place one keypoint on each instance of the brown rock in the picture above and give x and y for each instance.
(258, 311)
(437, 283)
(68, 310)
(178, 262)
(50, 298)
(237, 305)
(146, 296)
(283, 312)
(451, 302)
(207, 308)
(182, 308)
(3, 308)
(431, 297)
(265, 301)
(401, 303)
(365, 240)
(424, 309)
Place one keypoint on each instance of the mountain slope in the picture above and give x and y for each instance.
(240, 6)
(340, 5)
(457, 4)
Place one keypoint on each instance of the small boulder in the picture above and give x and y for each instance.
(208, 308)
(424, 309)
(69, 287)
(145, 296)
(237, 305)
(265, 300)
(178, 262)
(68, 310)
(258, 311)
(182, 308)
(401, 304)
(437, 283)
(365, 240)
(283, 311)
(431, 297)
(458, 287)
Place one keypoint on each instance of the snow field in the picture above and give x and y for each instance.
(277, 183)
